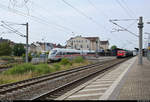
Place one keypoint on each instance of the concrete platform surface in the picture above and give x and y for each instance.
(136, 85)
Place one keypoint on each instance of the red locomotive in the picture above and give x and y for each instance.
(124, 53)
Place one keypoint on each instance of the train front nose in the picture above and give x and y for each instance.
(52, 57)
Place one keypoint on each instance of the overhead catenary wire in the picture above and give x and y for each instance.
(91, 3)
(98, 10)
(45, 22)
(124, 28)
(127, 12)
(57, 16)
(129, 8)
(117, 30)
(12, 29)
(37, 19)
(94, 6)
(112, 20)
(83, 14)
(124, 19)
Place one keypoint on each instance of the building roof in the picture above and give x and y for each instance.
(92, 38)
(104, 42)
(89, 38)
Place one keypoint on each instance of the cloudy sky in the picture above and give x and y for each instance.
(57, 20)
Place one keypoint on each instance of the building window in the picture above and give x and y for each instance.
(75, 46)
(87, 46)
(81, 46)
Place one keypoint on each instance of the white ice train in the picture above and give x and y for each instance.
(59, 53)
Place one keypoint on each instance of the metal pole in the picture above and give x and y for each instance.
(140, 26)
(27, 30)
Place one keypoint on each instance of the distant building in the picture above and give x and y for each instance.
(59, 46)
(33, 48)
(40, 47)
(84, 43)
(104, 45)
(94, 43)
(43, 46)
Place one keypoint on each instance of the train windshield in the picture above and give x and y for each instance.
(53, 52)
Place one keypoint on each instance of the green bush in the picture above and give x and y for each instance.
(43, 69)
(29, 57)
(64, 61)
(78, 59)
(56, 66)
(18, 49)
(20, 69)
(5, 49)
(24, 68)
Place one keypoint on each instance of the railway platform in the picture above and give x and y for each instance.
(129, 81)
(136, 85)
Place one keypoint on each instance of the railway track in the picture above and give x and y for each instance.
(51, 84)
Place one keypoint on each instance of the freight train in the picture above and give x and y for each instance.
(57, 54)
(124, 53)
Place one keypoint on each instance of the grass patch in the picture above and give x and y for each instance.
(57, 66)
(64, 61)
(28, 70)
(4, 79)
(20, 69)
(78, 59)
(43, 69)
(28, 67)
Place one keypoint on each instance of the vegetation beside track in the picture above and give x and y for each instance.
(25, 71)
(9, 61)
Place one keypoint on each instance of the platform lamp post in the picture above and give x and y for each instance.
(140, 26)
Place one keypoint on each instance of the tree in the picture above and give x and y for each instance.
(114, 50)
(29, 56)
(5, 49)
(19, 50)
(113, 47)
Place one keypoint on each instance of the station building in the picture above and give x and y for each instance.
(87, 43)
